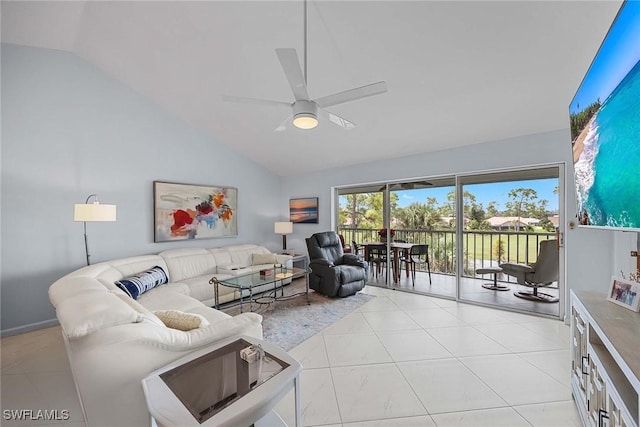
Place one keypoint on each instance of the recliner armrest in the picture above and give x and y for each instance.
(350, 259)
(321, 262)
(510, 266)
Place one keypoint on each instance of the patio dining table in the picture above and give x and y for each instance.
(396, 247)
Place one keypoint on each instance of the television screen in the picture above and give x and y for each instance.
(605, 128)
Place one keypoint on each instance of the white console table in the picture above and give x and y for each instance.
(605, 366)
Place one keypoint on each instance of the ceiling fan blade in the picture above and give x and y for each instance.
(352, 94)
(257, 101)
(291, 66)
(283, 126)
(335, 119)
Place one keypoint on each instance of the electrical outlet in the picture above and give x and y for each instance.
(634, 253)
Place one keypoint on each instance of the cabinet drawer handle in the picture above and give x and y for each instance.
(602, 414)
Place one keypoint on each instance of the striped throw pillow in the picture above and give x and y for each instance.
(135, 286)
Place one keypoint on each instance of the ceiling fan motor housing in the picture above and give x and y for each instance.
(307, 108)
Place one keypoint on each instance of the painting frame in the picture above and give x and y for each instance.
(193, 211)
(303, 210)
(624, 293)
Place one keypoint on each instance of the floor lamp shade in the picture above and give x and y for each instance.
(283, 228)
(92, 212)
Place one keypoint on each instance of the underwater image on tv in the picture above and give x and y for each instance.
(605, 128)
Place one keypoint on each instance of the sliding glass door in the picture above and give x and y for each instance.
(449, 236)
(507, 215)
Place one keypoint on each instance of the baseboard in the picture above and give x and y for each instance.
(28, 328)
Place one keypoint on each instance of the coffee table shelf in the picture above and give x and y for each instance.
(250, 281)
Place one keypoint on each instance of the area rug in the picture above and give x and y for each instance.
(288, 323)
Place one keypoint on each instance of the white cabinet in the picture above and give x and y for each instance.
(605, 361)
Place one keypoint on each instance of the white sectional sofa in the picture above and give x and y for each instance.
(114, 341)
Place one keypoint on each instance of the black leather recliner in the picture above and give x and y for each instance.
(334, 273)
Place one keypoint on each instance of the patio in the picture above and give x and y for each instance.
(481, 249)
(471, 290)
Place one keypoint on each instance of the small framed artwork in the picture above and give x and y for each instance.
(304, 211)
(625, 293)
(193, 212)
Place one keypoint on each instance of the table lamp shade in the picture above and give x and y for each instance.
(283, 227)
(94, 212)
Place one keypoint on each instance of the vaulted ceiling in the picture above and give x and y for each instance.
(458, 72)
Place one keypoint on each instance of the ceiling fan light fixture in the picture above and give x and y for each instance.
(305, 121)
(305, 114)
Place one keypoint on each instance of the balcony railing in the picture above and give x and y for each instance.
(480, 248)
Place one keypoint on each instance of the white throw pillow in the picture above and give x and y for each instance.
(259, 259)
(176, 319)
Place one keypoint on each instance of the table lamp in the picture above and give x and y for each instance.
(93, 212)
(283, 228)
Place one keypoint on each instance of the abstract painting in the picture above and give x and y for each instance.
(187, 212)
(304, 210)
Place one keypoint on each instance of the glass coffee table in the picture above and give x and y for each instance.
(235, 382)
(250, 281)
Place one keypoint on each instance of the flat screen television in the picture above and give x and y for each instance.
(605, 129)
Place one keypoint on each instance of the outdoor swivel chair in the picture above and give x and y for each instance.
(334, 273)
(543, 272)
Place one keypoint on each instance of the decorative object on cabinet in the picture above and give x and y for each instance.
(605, 363)
(303, 210)
(625, 293)
(92, 212)
(186, 211)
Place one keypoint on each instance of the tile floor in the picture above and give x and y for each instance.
(400, 360)
(471, 290)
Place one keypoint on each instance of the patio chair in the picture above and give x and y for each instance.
(377, 257)
(345, 248)
(355, 248)
(544, 272)
(418, 254)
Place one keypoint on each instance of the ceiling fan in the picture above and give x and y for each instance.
(305, 111)
(407, 185)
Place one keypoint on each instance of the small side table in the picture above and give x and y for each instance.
(492, 286)
(175, 399)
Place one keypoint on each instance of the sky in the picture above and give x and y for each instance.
(485, 193)
(618, 54)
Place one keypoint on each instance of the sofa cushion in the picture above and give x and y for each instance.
(135, 305)
(136, 285)
(180, 320)
(241, 254)
(258, 259)
(88, 312)
(189, 262)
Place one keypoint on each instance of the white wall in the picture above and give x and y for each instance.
(69, 130)
(590, 253)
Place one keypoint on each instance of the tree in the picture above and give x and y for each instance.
(492, 209)
(521, 202)
(498, 250)
(419, 216)
(469, 199)
(354, 211)
(365, 210)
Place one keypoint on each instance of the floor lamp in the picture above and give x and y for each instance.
(93, 212)
(283, 228)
